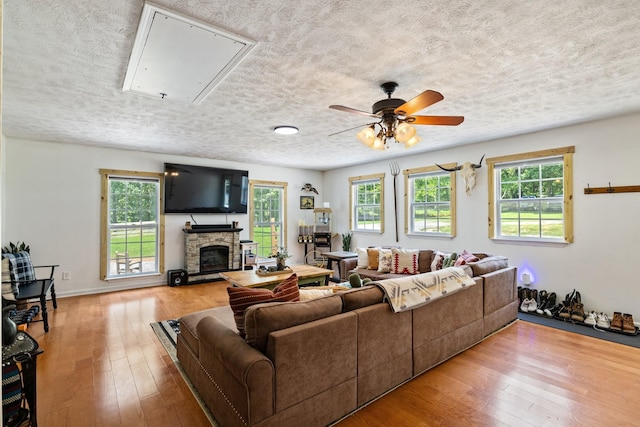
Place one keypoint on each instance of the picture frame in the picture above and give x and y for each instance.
(307, 202)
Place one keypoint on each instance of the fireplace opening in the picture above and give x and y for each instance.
(214, 259)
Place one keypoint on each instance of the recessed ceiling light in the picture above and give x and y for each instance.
(285, 130)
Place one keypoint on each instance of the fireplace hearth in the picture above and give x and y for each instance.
(214, 259)
(209, 251)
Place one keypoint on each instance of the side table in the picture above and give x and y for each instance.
(24, 351)
(337, 256)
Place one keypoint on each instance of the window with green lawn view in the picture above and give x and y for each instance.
(431, 201)
(367, 203)
(268, 209)
(131, 224)
(532, 196)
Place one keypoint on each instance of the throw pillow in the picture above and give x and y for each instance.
(307, 294)
(21, 268)
(465, 257)
(242, 298)
(404, 261)
(363, 258)
(7, 285)
(384, 261)
(438, 258)
(373, 254)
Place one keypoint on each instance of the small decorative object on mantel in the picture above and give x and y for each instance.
(309, 187)
(281, 256)
(187, 225)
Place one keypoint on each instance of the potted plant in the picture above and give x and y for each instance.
(281, 256)
(346, 241)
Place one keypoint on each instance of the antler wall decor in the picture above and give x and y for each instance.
(468, 172)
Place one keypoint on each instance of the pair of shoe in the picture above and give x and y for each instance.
(623, 322)
(602, 321)
(547, 302)
(572, 307)
(528, 305)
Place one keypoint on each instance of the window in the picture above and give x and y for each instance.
(367, 203)
(268, 210)
(132, 240)
(531, 196)
(430, 206)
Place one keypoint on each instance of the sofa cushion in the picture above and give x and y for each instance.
(424, 260)
(20, 266)
(310, 293)
(438, 259)
(361, 297)
(405, 261)
(373, 254)
(363, 258)
(465, 257)
(242, 298)
(262, 319)
(488, 264)
(385, 260)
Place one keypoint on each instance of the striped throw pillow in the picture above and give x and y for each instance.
(242, 298)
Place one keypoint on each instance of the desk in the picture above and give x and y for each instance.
(337, 256)
(307, 275)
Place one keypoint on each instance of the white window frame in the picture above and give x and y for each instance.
(354, 183)
(410, 176)
(107, 272)
(280, 224)
(494, 165)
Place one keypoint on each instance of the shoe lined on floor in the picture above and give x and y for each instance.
(577, 312)
(627, 324)
(591, 319)
(602, 321)
(616, 322)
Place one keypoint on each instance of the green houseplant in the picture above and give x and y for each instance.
(346, 241)
(281, 256)
(14, 248)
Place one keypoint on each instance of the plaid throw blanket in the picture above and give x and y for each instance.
(409, 292)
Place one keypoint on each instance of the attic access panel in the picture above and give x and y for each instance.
(178, 58)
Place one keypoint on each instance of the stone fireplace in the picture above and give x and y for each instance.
(210, 250)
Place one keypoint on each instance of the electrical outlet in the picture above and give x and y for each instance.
(66, 275)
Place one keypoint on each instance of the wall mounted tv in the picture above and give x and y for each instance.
(200, 189)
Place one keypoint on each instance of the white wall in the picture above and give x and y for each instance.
(602, 261)
(51, 200)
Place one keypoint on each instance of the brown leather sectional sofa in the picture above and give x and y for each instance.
(312, 362)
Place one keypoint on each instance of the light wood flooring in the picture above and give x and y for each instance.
(103, 366)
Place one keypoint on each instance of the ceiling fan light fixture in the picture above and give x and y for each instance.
(367, 136)
(286, 130)
(378, 144)
(404, 132)
(412, 141)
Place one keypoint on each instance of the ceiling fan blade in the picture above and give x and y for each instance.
(355, 127)
(426, 98)
(437, 120)
(354, 111)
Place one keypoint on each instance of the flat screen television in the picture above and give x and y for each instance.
(201, 189)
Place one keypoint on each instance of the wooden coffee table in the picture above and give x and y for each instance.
(307, 275)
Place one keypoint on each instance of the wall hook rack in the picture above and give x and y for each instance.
(612, 189)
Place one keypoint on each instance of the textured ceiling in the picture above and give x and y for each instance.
(509, 67)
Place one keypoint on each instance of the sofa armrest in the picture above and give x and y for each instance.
(224, 353)
(345, 266)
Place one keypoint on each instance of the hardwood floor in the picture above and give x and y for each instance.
(103, 366)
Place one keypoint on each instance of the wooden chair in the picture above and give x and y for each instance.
(124, 264)
(32, 289)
